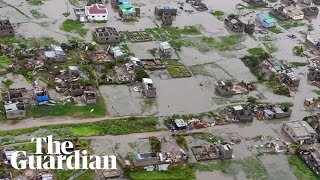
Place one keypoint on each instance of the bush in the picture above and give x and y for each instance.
(155, 144)
(141, 74)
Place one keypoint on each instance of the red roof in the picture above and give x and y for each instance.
(97, 9)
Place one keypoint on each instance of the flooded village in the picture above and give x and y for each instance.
(193, 89)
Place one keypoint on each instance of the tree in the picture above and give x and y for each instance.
(141, 74)
(7, 83)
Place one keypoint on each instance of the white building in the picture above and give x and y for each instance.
(96, 12)
(294, 12)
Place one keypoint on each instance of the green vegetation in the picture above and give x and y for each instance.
(72, 110)
(64, 174)
(316, 91)
(74, 27)
(111, 127)
(176, 69)
(180, 171)
(89, 174)
(126, 50)
(147, 104)
(253, 61)
(35, 2)
(26, 147)
(181, 141)
(298, 64)
(155, 144)
(36, 14)
(278, 88)
(270, 47)
(7, 83)
(205, 44)
(275, 30)
(301, 170)
(141, 74)
(189, 30)
(256, 51)
(285, 104)
(209, 137)
(74, 2)
(253, 168)
(218, 14)
(289, 25)
(200, 69)
(298, 51)
(169, 32)
(4, 60)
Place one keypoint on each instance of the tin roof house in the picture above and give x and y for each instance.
(107, 35)
(314, 40)
(41, 95)
(96, 12)
(159, 10)
(117, 53)
(165, 49)
(300, 131)
(56, 54)
(265, 20)
(127, 11)
(116, 3)
(256, 3)
(278, 12)
(148, 88)
(6, 28)
(290, 78)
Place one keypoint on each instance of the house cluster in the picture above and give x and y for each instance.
(229, 88)
(281, 70)
(236, 25)
(17, 100)
(157, 160)
(212, 152)
(256, 3)
(5, 161)
(198, 5)
(314, 72)
(246, 113)
(311, 157)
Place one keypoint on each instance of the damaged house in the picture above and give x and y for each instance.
(290, 79)
(18, 95)
(159, 10)
(278, 12)
(241, 113)
(311, 11)
(14, 110)
(229, 88)
(233, 23)
(89, 97)
(90, 2)
(148, 89)
(256, 3)
(277, 112)
(56, 54)
(314, 75)
(108, 35)
(300, 132)
(165, 49)
(294, 12)
(78, 90)
(166, 18)
(314, 40)
(212, 152)
(41, 95)
(6, 28)
(312, 158)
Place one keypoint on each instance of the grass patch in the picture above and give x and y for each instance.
(200, 69)
(180, 171)
(256, 51)
(106, 127)
(169, 32)
(270, 47)
(4, 60)
(35, 2)
(298, 64)
(275, 30)
(285, 104)
(64, 174)
(176, 69)
(74, 27)
(316, 91)
(155, 144)
(181, 141)
(209, 137)
(253, 168)
(300, 169)
(37, 15)
(26, 147)
(289, 25)
(218, 14)
(74, 2)
(206, 44)
(89, 174)
(99, 110)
